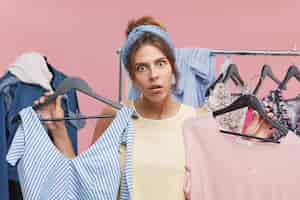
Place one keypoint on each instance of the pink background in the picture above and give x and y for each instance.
(80, 38)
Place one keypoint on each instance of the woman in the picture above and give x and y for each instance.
(158, 151)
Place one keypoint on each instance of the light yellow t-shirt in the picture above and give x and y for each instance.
(158, 156)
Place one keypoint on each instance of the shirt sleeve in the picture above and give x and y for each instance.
(3, 150)
(16, 150)
(201, 62)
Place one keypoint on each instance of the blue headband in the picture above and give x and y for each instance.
(136, 33)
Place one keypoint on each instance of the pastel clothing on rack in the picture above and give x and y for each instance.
(248, 119)
(196, 67)
(219, 98)
(227, 167)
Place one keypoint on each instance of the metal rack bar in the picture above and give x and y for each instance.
(256, 52)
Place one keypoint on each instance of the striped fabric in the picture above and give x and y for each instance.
(46, 174)
(126, 181)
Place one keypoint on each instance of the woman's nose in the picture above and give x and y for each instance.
(154, 74)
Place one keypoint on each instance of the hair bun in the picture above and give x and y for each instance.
(145, 20)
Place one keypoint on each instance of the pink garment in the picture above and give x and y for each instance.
(225, 167)
(248, 119)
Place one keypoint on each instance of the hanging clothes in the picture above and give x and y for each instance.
(292, 115)
(287, 112)
(4, 189)
(32, 68)
(45, 173)
(11, 88)
(6, 98)
(226, 167)
(221, 97)
(196, 68)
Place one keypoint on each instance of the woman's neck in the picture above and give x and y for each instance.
(154, 110)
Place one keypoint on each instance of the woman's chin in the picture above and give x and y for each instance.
(157, 98)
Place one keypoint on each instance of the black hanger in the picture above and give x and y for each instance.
(250, 136)
(276, 95)
(79, 85)
(293, 71)
(232, 73)
(265, 71)
(251, 101)
(77, 118)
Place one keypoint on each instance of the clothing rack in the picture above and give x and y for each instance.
(223, 52)
(256, 52)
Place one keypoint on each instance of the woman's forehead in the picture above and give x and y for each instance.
(148, 53)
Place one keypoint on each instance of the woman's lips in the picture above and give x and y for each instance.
(155, 89)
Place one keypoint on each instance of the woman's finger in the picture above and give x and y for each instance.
(58, 102)
(42, 99)
(48, 93)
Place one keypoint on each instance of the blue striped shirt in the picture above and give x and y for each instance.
(45, 173)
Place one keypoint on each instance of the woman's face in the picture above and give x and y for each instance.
(152, 73)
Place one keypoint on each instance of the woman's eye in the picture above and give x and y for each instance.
(162, 63)
(140, 68)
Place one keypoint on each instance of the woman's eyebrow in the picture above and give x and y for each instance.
(161, 58)
(146, 63)
(140, 63)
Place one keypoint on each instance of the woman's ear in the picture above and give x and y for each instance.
(173, 80)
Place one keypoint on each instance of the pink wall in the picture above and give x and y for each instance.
(81, 37)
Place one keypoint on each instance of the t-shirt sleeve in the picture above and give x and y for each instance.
(16, 150)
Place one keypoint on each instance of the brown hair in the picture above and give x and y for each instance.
(152, 39)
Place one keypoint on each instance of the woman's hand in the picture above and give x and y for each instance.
(52, 110)
(57, 128)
